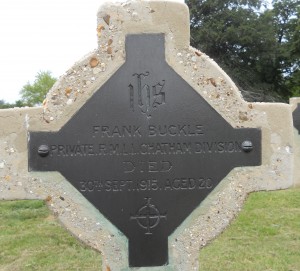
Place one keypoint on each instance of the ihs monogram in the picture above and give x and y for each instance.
(149, 98)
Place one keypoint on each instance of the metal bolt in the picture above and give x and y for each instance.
(247, 146)
(43, 150)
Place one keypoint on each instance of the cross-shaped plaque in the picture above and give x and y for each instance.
(146, 149)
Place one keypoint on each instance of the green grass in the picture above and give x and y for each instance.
(32, 239)
(265, 236)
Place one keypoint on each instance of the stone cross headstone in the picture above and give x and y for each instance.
(151, 157)
(145, 148)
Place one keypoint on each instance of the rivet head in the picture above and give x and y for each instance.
(247, 146)
(43, 150)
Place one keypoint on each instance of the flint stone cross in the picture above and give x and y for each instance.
(145, 149)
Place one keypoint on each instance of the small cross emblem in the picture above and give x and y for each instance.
(148, 216)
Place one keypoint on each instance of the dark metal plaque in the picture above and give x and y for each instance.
(145, 150)
(296, 118)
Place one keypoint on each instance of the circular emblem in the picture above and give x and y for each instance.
(148, 216)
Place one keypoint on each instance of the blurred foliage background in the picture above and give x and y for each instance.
(257, 44)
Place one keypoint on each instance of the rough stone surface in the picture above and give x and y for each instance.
(76, 86)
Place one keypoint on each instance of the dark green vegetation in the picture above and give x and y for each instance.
(265, 236)
(258, 46)
(33, 94)
(5, 105)
(32, 239)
